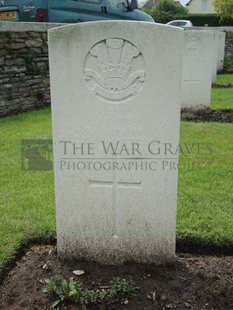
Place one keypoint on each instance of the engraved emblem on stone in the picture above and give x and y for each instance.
(114, 70)
(193, 45)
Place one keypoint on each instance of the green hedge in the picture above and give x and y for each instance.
(197, 19)
(228, 64)
(207, 19)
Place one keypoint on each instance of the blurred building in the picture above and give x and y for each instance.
(201, 6)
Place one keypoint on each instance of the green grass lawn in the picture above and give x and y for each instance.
(27, 203)
(224, 79)
(26, 197)
(205, 194)
(221, 99)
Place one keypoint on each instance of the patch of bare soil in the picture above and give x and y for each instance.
(225, 85)
(192, 282)
(207, 115)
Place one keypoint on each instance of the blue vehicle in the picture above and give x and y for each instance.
(70, 11)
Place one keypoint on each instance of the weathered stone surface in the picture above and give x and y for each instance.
(121, 86)
(34, 34)
(221, 51)
(229, 43)
(3, 52)
(41, 66)
(22, 77)
(16, 46)
(214, 55)
(34, 43)
(36, 50)
(16, 69)
(15, 62)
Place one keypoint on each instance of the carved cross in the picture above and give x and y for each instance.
(191, 80)
(115, 185)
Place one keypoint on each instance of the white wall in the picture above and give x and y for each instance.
(201, 6)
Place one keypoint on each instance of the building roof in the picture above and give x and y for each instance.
(149, 4)
(188, 2)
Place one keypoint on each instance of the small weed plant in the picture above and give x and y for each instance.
(62, 290)
(188, 116)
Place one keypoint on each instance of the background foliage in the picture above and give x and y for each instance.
(224, 8)
(167, 10)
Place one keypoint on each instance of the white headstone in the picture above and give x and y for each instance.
(116, 85)
(221, 50)
(215, 51)
(197, 69)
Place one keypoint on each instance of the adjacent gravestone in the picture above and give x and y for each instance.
(197, 69)
(214, 53)
(115, 90)
(221, 51)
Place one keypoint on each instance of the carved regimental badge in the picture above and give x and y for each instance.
(193, 45)
(114, 70)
